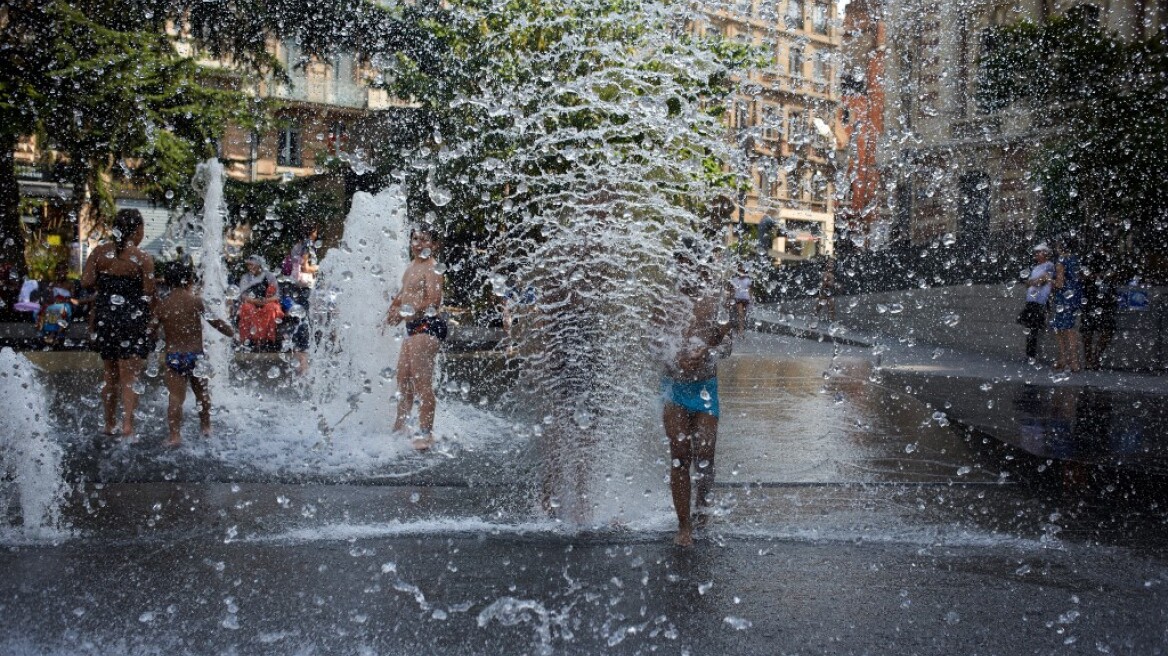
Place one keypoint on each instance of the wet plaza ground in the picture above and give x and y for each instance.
(855, 516)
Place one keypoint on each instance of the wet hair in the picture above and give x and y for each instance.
(428, 230)
(179, 275)
(126, 223)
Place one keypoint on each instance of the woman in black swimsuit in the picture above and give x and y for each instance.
(122, 276)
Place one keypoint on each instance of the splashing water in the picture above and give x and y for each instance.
(608, 141)
(30, 460)
(358, 278)
(214, 272)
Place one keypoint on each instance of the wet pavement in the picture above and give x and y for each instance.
(852, 518)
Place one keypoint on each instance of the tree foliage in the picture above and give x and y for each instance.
(1100, 108)
(103, 82)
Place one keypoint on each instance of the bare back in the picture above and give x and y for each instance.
(181, 316)
(132, 261)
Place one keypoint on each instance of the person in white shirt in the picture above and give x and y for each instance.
(1033, 316)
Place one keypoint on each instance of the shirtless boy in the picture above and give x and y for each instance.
(181, 316)
(417, 304)
(690, 390)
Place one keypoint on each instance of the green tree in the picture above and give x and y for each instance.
(1100, 110)
(103, 81)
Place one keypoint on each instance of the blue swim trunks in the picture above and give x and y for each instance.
(694, 396)
(183, 364)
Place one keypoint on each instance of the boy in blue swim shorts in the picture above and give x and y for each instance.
(181, 314)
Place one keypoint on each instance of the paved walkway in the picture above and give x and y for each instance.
(896, 354)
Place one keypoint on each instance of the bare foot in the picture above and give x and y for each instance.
(174, 442)
(684, 537)
(422, 442)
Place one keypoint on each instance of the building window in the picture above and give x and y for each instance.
(338, 137)
(742, 114)
(288, 149)
(794, 17)
(795, 61)
(796, 128)
(819, 16)
(772, 123)
(776, 183)
(821, 66)
(819, 188)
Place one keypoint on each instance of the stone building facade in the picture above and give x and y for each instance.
(951, 169)
(784, 120)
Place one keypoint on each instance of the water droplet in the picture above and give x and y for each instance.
(910, 448)
(440, 268)
(117, 299)
(231, 293)
(963, 470)
(703, 588)
(148, 616)
(139, 387)
(738, 623)
(297, 311)
(273, 372)
(440, 196)
(407, 311)
(169, 194)
(951, 319)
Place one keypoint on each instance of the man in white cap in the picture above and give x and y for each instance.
(1033, 316)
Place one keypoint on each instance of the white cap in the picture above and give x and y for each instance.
(1042, 247)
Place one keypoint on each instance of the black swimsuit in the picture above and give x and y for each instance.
(435, 326)
(121, 314)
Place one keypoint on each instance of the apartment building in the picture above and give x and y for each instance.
(784, 120)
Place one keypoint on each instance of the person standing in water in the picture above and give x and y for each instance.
(690, 393)
(418, 304)
(122, 277)
(181, 316)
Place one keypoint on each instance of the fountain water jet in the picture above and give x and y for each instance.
(30, 459)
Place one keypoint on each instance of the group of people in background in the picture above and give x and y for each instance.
(128, 310)
(1077, 300)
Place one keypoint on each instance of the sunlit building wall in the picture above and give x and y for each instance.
(784, 121)
(862, 119)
